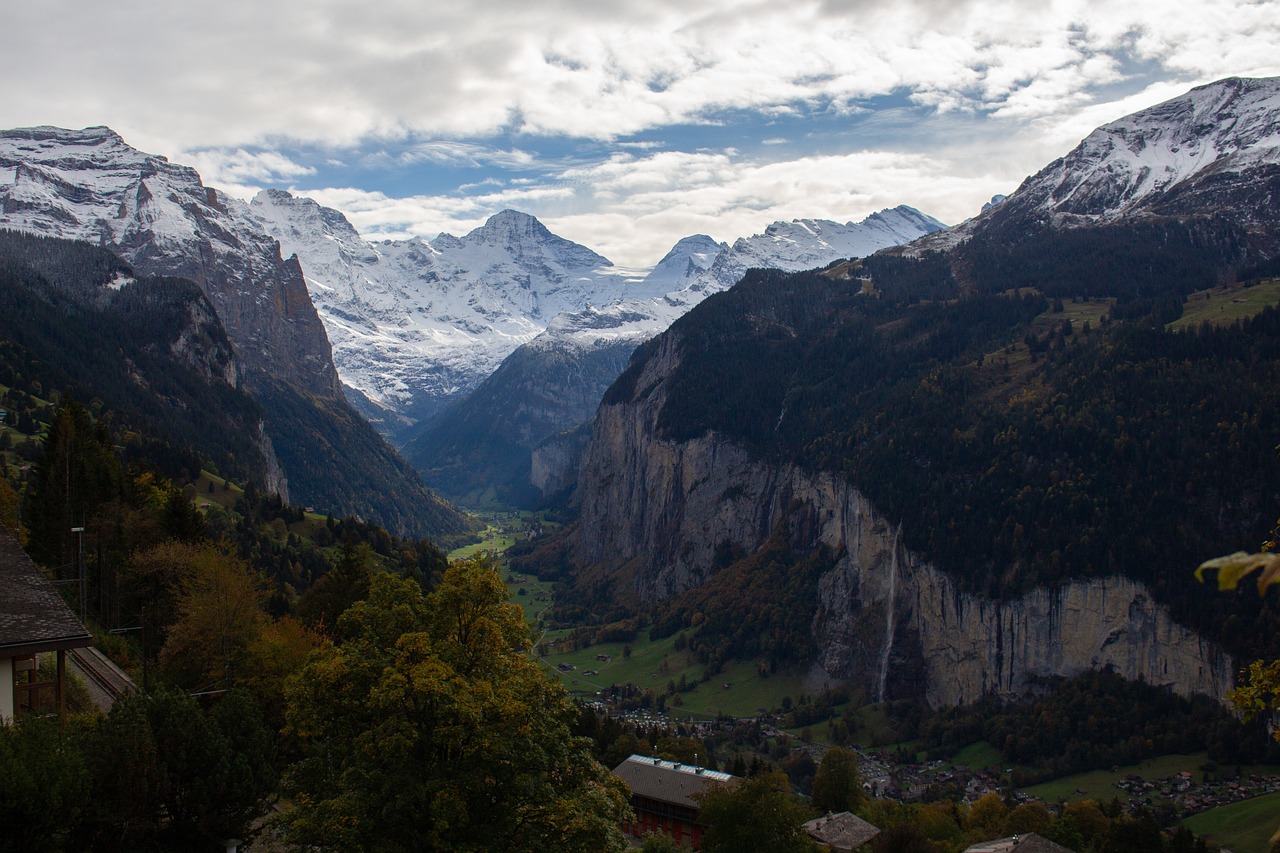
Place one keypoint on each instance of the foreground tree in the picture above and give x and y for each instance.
(758, 813)
(166, 774)
(837, 786)
(1258, 693)
(428, 727)
(44, 786)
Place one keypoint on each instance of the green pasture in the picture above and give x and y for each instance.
(653, 664)
(978, 756)
(1226, 304)
(1100, 785)
(1243, 827)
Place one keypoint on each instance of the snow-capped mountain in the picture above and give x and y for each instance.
(1214, 151)
(688, 260)
(790, 246)
(416, 324)
(803, 244)
(413, 323)
(1152, 160)
(555, 381)
(160, 218)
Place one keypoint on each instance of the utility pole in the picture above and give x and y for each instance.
(79, 531)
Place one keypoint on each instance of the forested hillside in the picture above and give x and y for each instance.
(1015, 446)
(74, 318)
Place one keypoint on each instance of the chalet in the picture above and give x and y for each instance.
(840, 833)
(33, 619)
(664, 797)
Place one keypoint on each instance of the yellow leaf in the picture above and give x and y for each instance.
(1233, 567)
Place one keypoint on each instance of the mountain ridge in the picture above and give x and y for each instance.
(985, 428)
(417, 324)
(161, 219)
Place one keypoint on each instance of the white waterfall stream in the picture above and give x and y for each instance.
(890, 613)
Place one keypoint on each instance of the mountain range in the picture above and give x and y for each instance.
(415, 325)
(977, 461)
(418, 324)
(161, 221)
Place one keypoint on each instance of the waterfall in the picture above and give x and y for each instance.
(890, 612)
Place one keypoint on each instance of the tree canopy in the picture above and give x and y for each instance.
(429, 727)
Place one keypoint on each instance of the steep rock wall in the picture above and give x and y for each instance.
(653, 513)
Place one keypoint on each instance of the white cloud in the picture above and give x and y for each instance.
(238, 166)
(233, 87)
(336, 72)
(632, 209)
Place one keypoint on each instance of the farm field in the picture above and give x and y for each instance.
(1243, 827)
(1226, 304)
(1100, 785)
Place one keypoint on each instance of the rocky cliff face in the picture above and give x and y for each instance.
(89, 185)
(655, 511)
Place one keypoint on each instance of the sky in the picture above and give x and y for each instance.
(623, 126)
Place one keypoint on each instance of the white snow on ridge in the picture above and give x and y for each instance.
(410, 319)
(91, 185)
(789, 246)
(1122, 166)
(415, 320)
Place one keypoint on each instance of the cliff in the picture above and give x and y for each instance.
(654, 512)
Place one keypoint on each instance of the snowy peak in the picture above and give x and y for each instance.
(1211, 152)
(1134, 163)
(526, 240)
(693, 273)
(415, 323)
(90, 185)
(680, 267)
(807, 243)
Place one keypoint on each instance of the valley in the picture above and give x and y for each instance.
(933, 495)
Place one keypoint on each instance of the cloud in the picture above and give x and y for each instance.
(338, 72)
(238, 166)
(461, 153)
(947, 101)
(633, 208)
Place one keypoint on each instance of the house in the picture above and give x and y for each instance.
(1029, 843)
(33, 619)
(664, 797)
(840, 833)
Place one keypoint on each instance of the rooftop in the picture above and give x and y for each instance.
(33, 617)
(1029, 843)
(841, 831)
(667, 781)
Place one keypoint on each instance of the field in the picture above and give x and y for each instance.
(978, 756)
(1243, 827)
(1226, 304)
(738, 690)
(1100, 785)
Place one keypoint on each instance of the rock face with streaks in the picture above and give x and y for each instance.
(654, 512)
(159, 217)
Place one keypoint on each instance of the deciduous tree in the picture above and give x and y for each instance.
(429, 727)
(837, 786)
(758, 813)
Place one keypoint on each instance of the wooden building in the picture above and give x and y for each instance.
(33, 619)
(663, 796)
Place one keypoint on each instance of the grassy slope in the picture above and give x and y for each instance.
(1100, 785)
(1243, 827)
(1224, 305)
